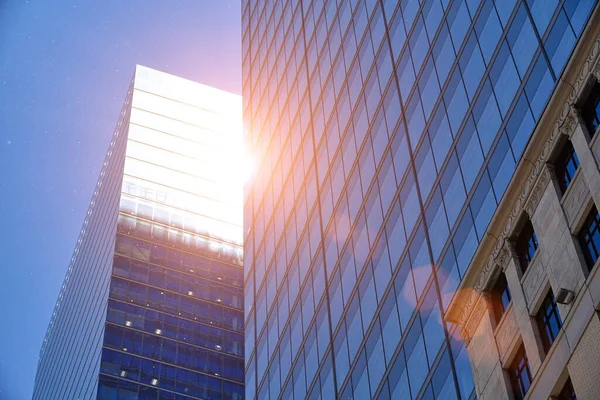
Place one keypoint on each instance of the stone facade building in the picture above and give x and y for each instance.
(528, 306)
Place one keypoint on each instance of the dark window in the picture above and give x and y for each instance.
(520, 375)
(567, 393)
(500, 297)
(566, 166)
(526, 245)
(549, 321)
(589, 237)
(590, 112)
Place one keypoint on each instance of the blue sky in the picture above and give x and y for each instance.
(65, 67)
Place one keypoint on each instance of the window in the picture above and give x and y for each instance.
(589, 237)
(526, 245)
(590, 111)
(566, 166)
(567, 393)
(520, 375)
(500, 297)
(549, 321)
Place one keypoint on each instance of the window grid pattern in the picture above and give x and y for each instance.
(526, 245)
(174, 322)
(590, 111)
(362, 114)
(62, 372)
(520, 374)
(589, 237)
(152, 304)
(500, 297)
(566, 166)
(549, 321)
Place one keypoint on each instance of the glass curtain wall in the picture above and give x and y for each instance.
(388, 132)
(174, 326)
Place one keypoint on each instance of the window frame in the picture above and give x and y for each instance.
(548, 313)
(526, 240)
(590, 109)
(592, 222)
(518, 367)
(499, 292)
(566, 166)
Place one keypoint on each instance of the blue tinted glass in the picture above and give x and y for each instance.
(522, 40)
(406, 73)
(520, 125)
(360, 378)
(504, 78)
(375, 356)
(429, 88)
(440, 134)
(395, 233)
(398, 379)
(409, 11)
(432, 12)
(488, 29)
(539, 87)
(471, 64)
(396, 31)
(415, 118)
(453, 189)
(541, 11)
(560, 43)
(443, 53)
(433, 329)
(448, 276)
(437, 224)
(410, 203)
(501, 167)
(390, 325)
(483, 205)
(458, 20)
(465, 242)
(405, 293)
(463, 371)
(505, 8)
(416, 356)
(418, 43)
(455, 99)
(578, 12)
(487, 116)
(470, 154)
(426, 171)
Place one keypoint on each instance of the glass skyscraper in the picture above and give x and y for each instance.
(388, 132)
(152, 303)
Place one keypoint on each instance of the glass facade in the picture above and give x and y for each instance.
(388, 132)
(170, 319)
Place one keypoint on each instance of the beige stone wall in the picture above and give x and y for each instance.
(584, 365)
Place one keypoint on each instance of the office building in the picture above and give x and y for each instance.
(527, 305)
(388, 132)
(152, 303)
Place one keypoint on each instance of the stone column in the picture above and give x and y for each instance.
(581, 143)
(491, 380)
(526, 323)
(556, 243)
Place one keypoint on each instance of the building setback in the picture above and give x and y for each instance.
(527, 306)
(152, 303)
(388, 132)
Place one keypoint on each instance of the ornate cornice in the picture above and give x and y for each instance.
(538, 191)
(467, 331)
(528, 199)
